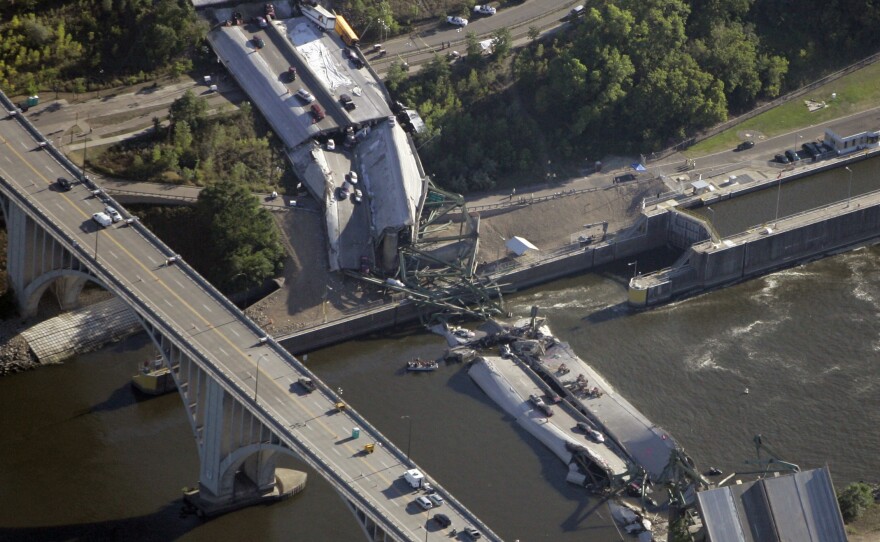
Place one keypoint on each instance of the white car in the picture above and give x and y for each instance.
(358, 196)
(436, 500)
(113, 213)
(305, 95)
(425, 503)
(457, 21)
(353, 177)
(102, 219)
(484, 10)
(331, 144)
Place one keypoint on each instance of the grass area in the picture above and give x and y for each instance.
(867, 527)
(856, 92)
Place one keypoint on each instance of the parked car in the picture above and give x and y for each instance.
(353, 177)
(473, 533)
(331, 144)
(442, 520)
(792, 155)
(781, 158)
(102, 219)
(291, 73)
(112, 213)
(262, 22)
(424, 502)
(358, 196)
(456, 21)
(745, 145)
(347, 102)
(305, 95)
(484, 10)
(258, 42)
(307, 383)
(436, 500)
(317, 113)
(576, 12)
(64, 184)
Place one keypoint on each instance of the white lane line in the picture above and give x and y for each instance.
(23, 145)
(168, 302)
(235, 333)
(177, 282)
(335, 451)
(152, 261)
(48, 168)
(113, 254)
(383, 464)
(316, 404)
(7, 158)
(59, 206)
(207, 308)
(225, 353)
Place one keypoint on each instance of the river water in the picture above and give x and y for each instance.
(84, 458)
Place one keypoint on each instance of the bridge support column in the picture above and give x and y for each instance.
(37, 261)
(237, 452)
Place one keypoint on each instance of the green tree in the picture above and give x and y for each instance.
(189, 109)
(246, 245)
(502, 42)
(854, 500)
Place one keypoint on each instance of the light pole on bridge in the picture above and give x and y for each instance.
(257, 376)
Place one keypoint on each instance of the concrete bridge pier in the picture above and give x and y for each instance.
(37, 262)
(237, 452)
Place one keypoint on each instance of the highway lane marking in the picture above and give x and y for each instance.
(138, 262)
(235, 333)
(207, 308)
(225, 353)
(335, 451)
(152, 261)
(7, 158)
(181, 285)
(113, 254)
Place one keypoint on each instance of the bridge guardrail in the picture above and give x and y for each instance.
(207, 365)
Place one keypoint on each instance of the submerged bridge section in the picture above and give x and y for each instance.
(238, 386)
(732, 236)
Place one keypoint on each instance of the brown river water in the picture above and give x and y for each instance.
(85, 458)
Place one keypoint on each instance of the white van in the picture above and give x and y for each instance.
(576, 12)
(414, 478)
(103, 219)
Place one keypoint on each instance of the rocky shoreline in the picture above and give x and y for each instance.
(15, 356)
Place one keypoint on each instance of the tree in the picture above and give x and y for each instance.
(246, 245)
(189, 109)
(854, 500)
(501, 43)
(534, 32)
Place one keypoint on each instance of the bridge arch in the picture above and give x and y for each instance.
(68, 285)
(255, 462)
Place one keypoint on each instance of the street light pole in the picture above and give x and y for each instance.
(257, 377)
(409, 436)
(635, 266)
(849, 192)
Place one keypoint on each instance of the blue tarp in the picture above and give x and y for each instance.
(638, 167)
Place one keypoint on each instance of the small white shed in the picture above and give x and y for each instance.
(519, 245)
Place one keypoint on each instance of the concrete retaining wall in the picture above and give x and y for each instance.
(759, 255)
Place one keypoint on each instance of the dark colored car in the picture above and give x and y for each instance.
(258, 42)
(745, 145)
(792, 155)
(347, 102)
(291, 73)
(442, 520)
(317, 113)
(781, 158)
(64, 184)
